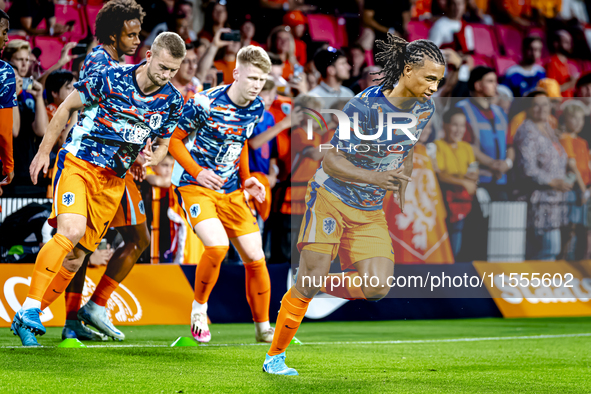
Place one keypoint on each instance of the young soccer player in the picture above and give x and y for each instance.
(344, 198)
(211, 172)
(125, 109)
(118, 25)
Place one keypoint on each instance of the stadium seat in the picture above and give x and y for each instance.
(418, 30)
(91, 11)
(327, 28)
(585, 66)
(503, 63)
(72, 13)
(480, 60)
(51, 48)
(342, 39)
(510, 39)
(484, 38)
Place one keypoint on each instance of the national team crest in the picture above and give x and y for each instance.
(140, 205)
(68, 199)
(155, 121)
(195, 210)
(329, 225)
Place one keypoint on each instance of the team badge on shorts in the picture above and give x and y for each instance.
(195, 210)
(68, 199)
(329, 225)
(140, 205)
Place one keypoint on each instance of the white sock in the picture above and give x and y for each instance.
(31, 303)
(93, 304)
(197, 307)
(260, 327)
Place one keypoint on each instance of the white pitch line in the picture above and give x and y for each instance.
(477, 339)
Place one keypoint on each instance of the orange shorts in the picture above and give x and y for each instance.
(332, 227)
(131, 210)
(88, 190)
(201, 203)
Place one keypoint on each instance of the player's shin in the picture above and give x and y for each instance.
(293, 308)
(208, 271)
(47, 266)
(57, 286)
(258, 290)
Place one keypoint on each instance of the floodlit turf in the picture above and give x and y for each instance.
(557, 363)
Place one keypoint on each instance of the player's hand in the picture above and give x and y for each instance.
(138, 171)
(148, 154)
(65, 57)
(40, 162)
(210, 180)
(389, 180)
(401, 193)
(255, 189)
(6, 181)
(217, 41)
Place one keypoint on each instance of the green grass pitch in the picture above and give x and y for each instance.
(428, 356)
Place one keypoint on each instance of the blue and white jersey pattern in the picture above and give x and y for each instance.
(96, 61)
(379, 155)
(118, 118)
(217, 131)
(7, 86)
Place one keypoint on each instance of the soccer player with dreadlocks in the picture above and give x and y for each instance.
(344, 198)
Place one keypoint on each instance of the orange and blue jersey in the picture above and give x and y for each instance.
(96, 61)
(260, 159)
(118, 118)
(217, 131)
(380, 154)
(7, 86)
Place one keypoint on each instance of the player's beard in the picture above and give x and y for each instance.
(154, 80)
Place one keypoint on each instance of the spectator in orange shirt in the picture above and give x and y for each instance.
(558, 66)
(228, 62)
(575, 239)
(216, 18)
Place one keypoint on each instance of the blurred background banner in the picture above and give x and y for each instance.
(149, 295)
(567, 294)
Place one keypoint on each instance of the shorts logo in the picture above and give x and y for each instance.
(138, 133)
(329, 225)
(195, 210)
(141, 207)
(68, 199)
(155, 121)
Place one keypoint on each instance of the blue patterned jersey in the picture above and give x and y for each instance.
(7, 86)
(118, 118)
(379, 155)
(96, 61)
(217, 131)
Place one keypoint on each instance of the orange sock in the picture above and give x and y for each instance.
(57, 286)
(73, 301)
(344, 287)
(293, 308)
(208, 271)
(49, 260)
(258, 289)
(103, 290)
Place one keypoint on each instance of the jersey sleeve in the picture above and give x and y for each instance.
(7, 87)
(194, 113)
(93, 89)
(176, 110)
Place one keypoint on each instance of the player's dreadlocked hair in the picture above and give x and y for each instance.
(397, 53)
(112, 17)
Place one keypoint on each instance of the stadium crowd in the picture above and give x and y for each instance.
(513, 119)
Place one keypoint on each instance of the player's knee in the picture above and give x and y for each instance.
(73, 233)
(143, 239)
(375, 293)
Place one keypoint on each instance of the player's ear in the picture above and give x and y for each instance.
(236, 73)
(113, 37)
(408, 70)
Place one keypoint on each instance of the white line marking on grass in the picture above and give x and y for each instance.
(476, 339)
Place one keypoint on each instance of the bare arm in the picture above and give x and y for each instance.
(369, 21)
(266, 136)
(64, 59)
(41, 119)
(16, 122)
(483, 158)
(40, 162)
(159, 153)
(159, 181)
(207, 59)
